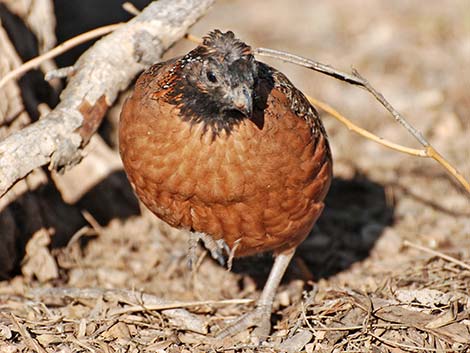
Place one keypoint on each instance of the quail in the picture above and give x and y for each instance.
(220, 144)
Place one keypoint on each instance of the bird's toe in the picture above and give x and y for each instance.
(259, 318)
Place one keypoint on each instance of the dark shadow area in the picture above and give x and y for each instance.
(355, 216)
(78, 16)
(112, 198)
(34, 89)
(45, 208)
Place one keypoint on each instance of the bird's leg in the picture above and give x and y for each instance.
(217, 248)
(260, 317)
(192, 246)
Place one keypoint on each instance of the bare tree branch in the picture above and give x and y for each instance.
(356, 79)
(99, 75)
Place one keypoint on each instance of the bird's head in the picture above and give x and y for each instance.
(216, 80)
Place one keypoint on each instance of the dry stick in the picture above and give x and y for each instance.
(150, 302)
(358, 327)
(80, 343)
(398, 117)
(61, 48)
(437, 253)
(30, 341)
(178, 305)
(409, 347)
(358, 80)
(310, 64)
(363, 132)
(130, 7)
(193, 39)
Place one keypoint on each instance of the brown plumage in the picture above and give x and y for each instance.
(218, 143)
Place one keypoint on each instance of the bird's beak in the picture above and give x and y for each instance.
(242, 101)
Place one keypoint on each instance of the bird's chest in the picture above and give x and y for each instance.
(189, 161)
(266, 178)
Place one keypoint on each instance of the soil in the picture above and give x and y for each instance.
(385, 269)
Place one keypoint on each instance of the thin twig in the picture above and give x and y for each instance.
(355, 79)
(193, 38)
(231, 256)
(178, 305)
(310, 64)
(130, 297)
(363, 132)
(92, 221)
(358, 327)
(398, 117)
(30, 341)
(61, 48)
(80, 343)
(130, 8)
(437, 253)
(409, 347)
(432, 153)
(62, 72)
(78, 234)
(358, 80)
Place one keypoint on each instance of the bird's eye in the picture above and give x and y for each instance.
(211, 77)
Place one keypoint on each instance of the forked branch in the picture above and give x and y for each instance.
(356, 79)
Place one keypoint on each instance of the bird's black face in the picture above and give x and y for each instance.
(216, 83)
(231, 85)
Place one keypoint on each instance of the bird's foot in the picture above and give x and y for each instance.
(259, 318)
(218, 249)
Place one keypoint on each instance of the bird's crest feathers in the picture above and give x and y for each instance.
(226, 45)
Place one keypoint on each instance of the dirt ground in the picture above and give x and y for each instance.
(386, 268)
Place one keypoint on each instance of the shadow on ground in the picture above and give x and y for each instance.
(45, 208)
(355, 216)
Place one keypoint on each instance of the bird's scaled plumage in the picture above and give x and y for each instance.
(218, 143)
